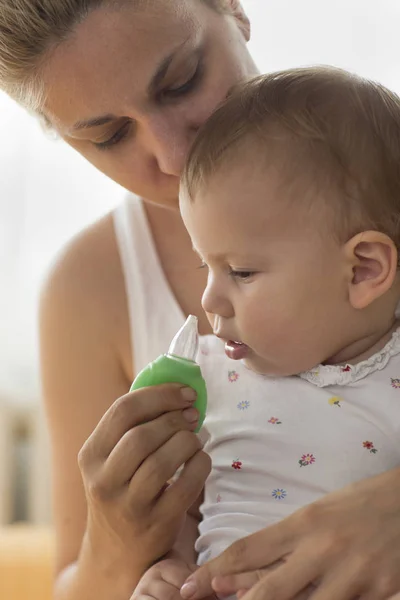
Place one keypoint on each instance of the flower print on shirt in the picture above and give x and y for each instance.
(395, 383)
(279, 494)
(307, 459)
(346, 369)
(243, 405)
(370, 446)
(275, 421)
(233, 376)
(335, 401)
(237, 465)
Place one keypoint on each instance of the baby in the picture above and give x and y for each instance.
(291, 196)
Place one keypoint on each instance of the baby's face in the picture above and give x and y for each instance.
(276, 278)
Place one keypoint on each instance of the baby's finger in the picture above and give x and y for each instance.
(157, 590)
(177, 574)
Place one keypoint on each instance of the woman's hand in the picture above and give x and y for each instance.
(241, 583)
(347, 544)
(134, 515)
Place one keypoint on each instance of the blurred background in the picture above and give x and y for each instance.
(48, 193)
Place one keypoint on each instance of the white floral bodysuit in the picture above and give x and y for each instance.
(278, 444)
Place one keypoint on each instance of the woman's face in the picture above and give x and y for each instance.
(130, 88)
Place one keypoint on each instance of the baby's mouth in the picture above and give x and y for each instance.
(236, 350)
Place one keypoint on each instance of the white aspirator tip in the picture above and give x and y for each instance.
(186, 342)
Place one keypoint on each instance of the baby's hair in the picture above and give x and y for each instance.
(31, 29)
(333, 132)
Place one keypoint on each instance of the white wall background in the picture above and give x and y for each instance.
(47, 192)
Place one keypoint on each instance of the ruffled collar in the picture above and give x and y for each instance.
(325, 375)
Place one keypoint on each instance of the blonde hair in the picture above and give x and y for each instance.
(337, 132)
(29, 30)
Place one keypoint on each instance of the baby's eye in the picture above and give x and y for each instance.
(203, 265)
(242, 275)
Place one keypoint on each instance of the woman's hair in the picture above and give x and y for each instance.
(30, 29)
(330, 134)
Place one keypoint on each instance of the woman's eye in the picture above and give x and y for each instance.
(185, 88)
(117, 137)
(242, 275)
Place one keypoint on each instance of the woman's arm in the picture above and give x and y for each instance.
(107, 520)
(82, 374)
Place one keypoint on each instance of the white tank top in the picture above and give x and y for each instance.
(154, 314)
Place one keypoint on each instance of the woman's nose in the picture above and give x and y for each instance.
(170, 142)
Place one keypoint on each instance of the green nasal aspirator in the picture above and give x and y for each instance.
(178, 366)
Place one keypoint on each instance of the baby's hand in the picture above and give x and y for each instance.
(163, 580)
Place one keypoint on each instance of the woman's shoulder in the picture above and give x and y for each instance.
(85, 286)
(88, 264)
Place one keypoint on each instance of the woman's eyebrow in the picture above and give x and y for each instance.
(163, 67)
(154, 84)
(94, 122)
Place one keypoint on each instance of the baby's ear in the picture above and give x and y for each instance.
(373, 258)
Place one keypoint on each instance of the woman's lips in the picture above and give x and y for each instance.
(236, 350)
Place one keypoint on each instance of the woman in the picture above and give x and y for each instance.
(127, 84)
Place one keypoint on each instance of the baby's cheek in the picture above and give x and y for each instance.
(270, 325)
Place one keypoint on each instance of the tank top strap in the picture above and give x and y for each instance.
(154, 313)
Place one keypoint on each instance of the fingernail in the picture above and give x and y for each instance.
(191, 415)
(188, 590)
(188, 394)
